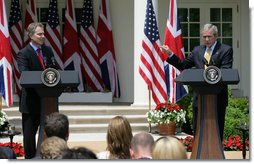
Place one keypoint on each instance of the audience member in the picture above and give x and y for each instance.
(57, 124)
(168, 148)
(7, 153)
(119, 136)
(141, 146)
(53, 148)
(79, 153)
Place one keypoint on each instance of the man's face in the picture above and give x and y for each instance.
(208, 38)
(38, 37)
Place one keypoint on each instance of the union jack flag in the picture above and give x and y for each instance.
(152, 67)
(106, 50)
(5, 58)
(88, 49)
(53, 34)
(173, 38)
(16, 35)
(72, 60)
(30, 17)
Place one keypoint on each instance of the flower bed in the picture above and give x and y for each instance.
(232, 143)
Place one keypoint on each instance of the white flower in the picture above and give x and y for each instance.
(3, 117)
(165, 113)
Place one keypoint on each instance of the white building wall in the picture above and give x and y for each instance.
(128, 23)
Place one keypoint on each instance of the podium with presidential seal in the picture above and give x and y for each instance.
(208, 83)
(49, 85)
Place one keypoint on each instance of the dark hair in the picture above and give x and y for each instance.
(78, 153)
(57, 124)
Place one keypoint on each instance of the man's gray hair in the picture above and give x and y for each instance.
(208, 27)
(32, 26)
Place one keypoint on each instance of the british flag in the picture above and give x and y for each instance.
(151, 66)
(173, 38)
(88, 49)
(16, 35)
(106, 50)
(53, 34)
(31, 16)
(72, 60)
(5, 58)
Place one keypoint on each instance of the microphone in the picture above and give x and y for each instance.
(45, 61)
(53, 62)
(213, 62)
(205, 62)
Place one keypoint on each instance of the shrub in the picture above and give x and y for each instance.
(237, 113)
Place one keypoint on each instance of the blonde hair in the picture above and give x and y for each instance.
(53, 148)
(168, 148)
(119, 136)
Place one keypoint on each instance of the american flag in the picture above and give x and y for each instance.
(72, 60)
(31, 16)
(88, 49)
(152, 67)
(173, 38)
(5, 58)
(53, 34)
(106, 50)
(16, 35)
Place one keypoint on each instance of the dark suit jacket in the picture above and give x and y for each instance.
(222, 57)
(28, 60)
(7, 153)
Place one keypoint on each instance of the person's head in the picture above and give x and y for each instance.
(79, 153)
(168, 148)
(119, 135)
(141, 145)
(53, 148)
(209, 34)
(35, 31)
(57, 124)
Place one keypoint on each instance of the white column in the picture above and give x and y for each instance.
(141, 93)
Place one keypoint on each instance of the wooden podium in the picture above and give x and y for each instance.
(49, 95)
(207, 141)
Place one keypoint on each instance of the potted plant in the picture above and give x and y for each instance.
(3, 120)
(166, 114)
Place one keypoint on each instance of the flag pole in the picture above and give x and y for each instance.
(149, 108)
(0, 103)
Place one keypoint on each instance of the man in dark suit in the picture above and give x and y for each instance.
(30, 103)
(221, 56)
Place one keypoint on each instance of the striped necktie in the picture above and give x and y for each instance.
(40, 57)
(207, 56)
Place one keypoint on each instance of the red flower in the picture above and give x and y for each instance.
(235, 143)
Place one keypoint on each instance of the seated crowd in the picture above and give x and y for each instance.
(121, 143)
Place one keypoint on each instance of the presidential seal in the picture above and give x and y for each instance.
(212, 74)
(50, 77)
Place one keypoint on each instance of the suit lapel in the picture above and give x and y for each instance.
(216, 51)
